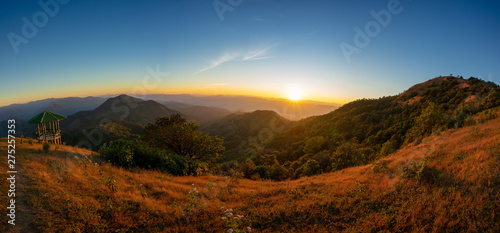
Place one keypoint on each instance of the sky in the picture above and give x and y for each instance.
(324, 50)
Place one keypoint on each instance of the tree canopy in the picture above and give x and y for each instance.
(175, 134)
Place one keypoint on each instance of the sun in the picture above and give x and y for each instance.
(294, 93)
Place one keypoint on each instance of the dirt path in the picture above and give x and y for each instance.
(25, 218)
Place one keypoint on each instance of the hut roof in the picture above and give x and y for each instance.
(46, 116)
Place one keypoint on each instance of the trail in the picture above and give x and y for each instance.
(25, 219)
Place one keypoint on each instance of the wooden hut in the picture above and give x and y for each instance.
(47, 127)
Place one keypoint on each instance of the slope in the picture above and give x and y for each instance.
(366, 129)
(448, 182)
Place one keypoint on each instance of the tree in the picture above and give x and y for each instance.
(348, 154)
(314, 144)
(175, 134)
(431, 118)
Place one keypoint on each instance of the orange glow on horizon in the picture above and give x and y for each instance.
(264, 93)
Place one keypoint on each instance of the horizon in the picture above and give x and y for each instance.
(109, 96)
(330, 52)
(203, 95)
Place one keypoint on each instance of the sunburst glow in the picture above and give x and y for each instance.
(294, 92)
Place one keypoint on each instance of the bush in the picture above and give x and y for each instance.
(130, 154)
(277, 172)
(46, 147)
(262, 171)
(311, 167)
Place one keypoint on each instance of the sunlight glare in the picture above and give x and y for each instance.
(294, 92)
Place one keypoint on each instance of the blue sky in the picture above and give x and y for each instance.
(261, 47)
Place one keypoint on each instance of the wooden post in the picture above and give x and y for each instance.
(44, 131)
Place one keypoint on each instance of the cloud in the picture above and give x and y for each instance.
(221, 60)
(257, 54)
(249, 55)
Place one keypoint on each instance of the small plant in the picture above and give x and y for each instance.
(234, 223)
(30, 141)
(192, 198)
(46, 147)
(191, 207)
(413, 169)
(110, 182)
(144, 192)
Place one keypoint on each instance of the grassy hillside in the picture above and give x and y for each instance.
(368, 129)
(450, 181)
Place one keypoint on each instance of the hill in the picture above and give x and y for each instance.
(245, 134)
(119, 117)
(366, 129)
(448, 182)
(122, 107)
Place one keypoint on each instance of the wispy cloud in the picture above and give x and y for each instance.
(257, 54)
(249, 55)
(221, 60)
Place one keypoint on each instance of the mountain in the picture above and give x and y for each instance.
(245, 134)
(122, 107)
(64, 106)
(289, 109)
(202, 114)
(367, 129)
(120, 117)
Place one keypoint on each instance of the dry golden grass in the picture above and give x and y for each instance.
(449, 182)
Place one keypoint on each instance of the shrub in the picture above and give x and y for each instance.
(277, 172)
(248, 168)
(311, 167)
(130, 154)
(46, 147)
(262, 171)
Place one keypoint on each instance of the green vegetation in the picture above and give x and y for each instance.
(172, 145)
(46, 147)
(264, 145)
(365, 130)
(183, 138)
(446, 183)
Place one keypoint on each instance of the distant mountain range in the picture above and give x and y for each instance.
(64, 106)
(286, 108)
(201, 108)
